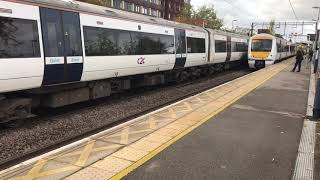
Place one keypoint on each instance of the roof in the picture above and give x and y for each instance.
(227, 33)
(268, 35)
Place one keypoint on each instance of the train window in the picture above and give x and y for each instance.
(52, 33)
(19, 38)
(123, 40)
(99, 42)
(234, 47)
(237, 47)
(246, 46)
(278, 47)
(73, 46)
(167, 44)
(240, 47)
(111, 42)
(147, 44)
(196, 45)
(180, 37)
(288, 48)
(263, 45)
(220, 46)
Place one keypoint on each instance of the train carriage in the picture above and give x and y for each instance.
(54, 53)
(266, 49)
(227, 48)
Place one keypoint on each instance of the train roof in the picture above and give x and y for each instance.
(270, 35)
(227, 33)
(109, 12)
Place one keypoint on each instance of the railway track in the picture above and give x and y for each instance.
(52, 129)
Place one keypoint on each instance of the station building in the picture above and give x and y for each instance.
(167, 9)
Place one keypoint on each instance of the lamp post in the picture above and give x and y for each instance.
(233, 23)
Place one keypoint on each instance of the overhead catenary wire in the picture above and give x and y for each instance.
(294, 12)
(237, 8)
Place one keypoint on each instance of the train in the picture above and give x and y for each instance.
(266, 49)
(55, 53)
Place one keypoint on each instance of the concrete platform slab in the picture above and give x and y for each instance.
(256, 138)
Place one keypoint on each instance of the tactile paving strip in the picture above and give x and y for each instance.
(112, 154)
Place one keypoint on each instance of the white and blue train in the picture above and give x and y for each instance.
(54, 53)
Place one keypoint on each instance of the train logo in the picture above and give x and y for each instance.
(141, 60)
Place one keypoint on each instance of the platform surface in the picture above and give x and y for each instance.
(255, 138)
(233, 131)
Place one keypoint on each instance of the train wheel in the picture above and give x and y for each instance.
(21, 112)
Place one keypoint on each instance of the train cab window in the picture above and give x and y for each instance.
(19, 38)
(262, 45)
(196, 45)
(220, 46)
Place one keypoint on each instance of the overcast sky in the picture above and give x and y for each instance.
(247, 11)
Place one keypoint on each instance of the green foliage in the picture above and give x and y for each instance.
(187, 11)
(204, 15)
(209, 14)
(98, 2)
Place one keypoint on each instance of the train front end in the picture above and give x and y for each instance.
(261, 51)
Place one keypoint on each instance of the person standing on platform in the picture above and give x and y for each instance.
(299, 59)
(310, 54)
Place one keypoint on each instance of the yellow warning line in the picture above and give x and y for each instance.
(188, 130)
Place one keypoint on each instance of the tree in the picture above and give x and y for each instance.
(204, 16)
(187, 11)
(208, 14)
(98, 2)
(186, 15)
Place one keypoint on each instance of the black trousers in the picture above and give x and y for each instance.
(310, 57)
(298, 63)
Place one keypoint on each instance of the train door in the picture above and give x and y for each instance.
(229, 49)
(62, 46)
(181, 48)
(280, 50)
